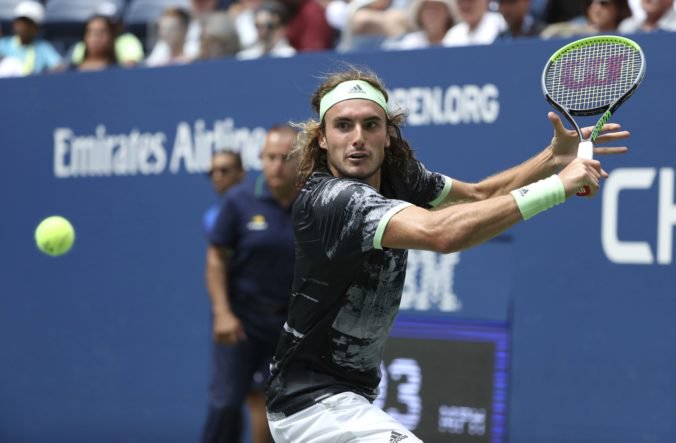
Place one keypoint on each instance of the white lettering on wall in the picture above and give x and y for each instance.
(639, 251)
(453, 105)
(429, 282)
(145, 153)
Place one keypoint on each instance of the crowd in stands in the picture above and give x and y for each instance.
(102, 34)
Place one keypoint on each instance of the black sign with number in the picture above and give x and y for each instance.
(451, 388)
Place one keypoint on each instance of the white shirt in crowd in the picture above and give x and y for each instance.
(491, 24)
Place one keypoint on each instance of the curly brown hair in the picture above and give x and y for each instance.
(311, 157)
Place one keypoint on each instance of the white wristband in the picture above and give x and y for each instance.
(539, 196)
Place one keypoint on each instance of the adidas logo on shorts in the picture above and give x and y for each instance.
(396, 437)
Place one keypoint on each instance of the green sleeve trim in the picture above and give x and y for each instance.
(382, 224)
(444, 192)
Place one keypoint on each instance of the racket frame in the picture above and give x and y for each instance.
(586, 146)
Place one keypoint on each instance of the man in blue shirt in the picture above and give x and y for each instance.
(226, 171)
(249, 273)
(32, 55)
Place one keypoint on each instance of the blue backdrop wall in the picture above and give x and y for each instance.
(110, 342)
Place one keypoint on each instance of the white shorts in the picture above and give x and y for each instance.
(341, 418)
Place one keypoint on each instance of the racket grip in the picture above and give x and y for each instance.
(585, 150)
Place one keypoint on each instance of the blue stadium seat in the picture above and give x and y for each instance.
(7, 9)
(75, 11)
(142, 12)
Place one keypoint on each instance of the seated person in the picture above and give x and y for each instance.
(24, 53)
(270, 20)
(172, 29)
(432, 18)
(99, 45)
(128, 48)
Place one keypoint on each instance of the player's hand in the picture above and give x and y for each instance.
(565, 141)
(580, 173)
(228, 329)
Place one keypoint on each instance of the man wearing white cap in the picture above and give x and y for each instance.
(32, 54)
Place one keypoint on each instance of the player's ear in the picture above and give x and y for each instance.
(388, 135)
(322, 140)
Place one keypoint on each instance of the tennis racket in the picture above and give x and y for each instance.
(592, 76)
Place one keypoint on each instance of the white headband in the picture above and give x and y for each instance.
(349, 90)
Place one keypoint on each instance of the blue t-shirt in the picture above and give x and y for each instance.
(259, 234)
(37, 57)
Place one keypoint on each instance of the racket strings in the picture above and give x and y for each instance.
(593, 75)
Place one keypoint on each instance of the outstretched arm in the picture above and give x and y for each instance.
(464, 225)
(497, 203)
(561, 152)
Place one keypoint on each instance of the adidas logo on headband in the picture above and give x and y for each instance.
(356, 89)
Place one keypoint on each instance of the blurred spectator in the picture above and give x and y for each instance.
(368, 23)
(432, 18)
(270, 20)
(637, 10)
(537, 9)
(249, 273)
(199, 9)
(128, 48)
(605, 16)
(559, 11)
(226, 171)
(99, 45)
(520, 23)
(243, 12)
(308, 29)
(23, 53)
(602, 16)
(659, 16)
(219, 36)
(172, 28)
(479, 25)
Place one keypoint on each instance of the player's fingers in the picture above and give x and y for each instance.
(587, 130)
(612, 136)
(594, 165)
(593, 188)
(556, 122)
(611, 151)
(611, 127)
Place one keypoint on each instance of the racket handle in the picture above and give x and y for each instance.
(585, 150)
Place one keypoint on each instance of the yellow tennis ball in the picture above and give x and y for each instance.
(54, 235)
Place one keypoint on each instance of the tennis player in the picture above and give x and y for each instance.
(364, 201)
